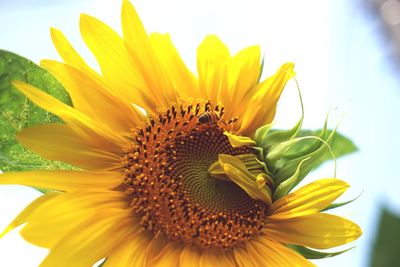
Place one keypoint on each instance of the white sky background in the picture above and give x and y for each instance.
(340, 66)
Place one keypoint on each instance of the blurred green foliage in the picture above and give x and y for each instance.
(386, 248)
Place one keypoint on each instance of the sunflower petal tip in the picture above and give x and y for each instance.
(126, 2)
(44, 62)
(6, 231)
(129, 8)
(355, 231)
(18, 84)
(22, 86)
(56, 34)
(358, 231)
(342, 183)
(334, 181)
(223, 158)
(54, 30)
(289, 65)
(212, 38)
(84, 18)
(21, 137)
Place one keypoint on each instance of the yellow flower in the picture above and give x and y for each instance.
(173, 187)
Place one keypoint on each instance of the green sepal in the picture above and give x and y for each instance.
(287, 168)
(267, 139)
(260, 153)
(285, 150)
(340, 145)
(285, 186)
(279, 136)
(340, 204)
(319, 152)
(315, 254)
(261, 135)
(307, 146)
(277, 151)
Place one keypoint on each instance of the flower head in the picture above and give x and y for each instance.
(181, 184)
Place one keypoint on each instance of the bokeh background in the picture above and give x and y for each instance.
(346, 63)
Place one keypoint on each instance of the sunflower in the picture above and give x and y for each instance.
(177, 185)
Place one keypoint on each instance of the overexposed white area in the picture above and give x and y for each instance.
(340, 66)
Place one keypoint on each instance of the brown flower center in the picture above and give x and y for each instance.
(167, 178)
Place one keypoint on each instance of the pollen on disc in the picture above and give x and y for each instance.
(167, 180)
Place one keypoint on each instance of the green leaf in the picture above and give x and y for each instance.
(17, 112)
(284, 187)
(387, 241)
(315, 254)
(341, 145)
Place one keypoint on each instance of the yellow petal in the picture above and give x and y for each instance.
(144, 58)
(267, 252)
(319, 231)
(81, 124)
(25, 215)
(72, 58)
(212, 62)
(169, 256)
(184, 80)
(91, 240)
(68, 147)
(238, 141)
(261, 106)
(154, 248)
(261, 180)
(190, 256)
(309, 199)
(93, 98)
(113, 58)
(131, 252)
(64, 180)
(239, 174)
(243, 74)
(242, 258)
(57, 217)
(260, 257)
(212, 257)
(66, 51)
